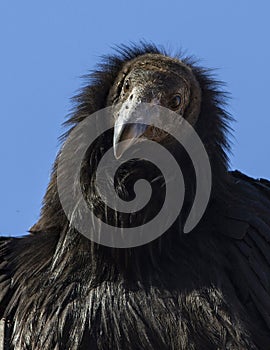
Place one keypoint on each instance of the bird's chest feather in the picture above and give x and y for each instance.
(180, 305)
(157, 318)
(113, 316)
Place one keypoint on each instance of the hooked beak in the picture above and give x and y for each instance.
(132, 124)
(128, 132)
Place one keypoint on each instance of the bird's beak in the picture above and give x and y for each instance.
(132, 122)
(128, 132)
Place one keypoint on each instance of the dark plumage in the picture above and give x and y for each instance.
(209, 289)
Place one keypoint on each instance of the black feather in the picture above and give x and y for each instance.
(209, 289)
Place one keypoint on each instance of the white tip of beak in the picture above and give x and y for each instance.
(126, 135)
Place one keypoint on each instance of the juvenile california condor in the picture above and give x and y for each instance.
(208, 289)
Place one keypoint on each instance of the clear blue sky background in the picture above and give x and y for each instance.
(47, 45)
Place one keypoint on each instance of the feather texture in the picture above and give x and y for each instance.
(209, 289)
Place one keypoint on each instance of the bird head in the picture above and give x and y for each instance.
(135, 76)
(154, 79)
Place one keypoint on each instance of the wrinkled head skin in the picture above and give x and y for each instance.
(157, 80)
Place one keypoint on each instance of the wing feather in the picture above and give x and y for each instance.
(251, 250)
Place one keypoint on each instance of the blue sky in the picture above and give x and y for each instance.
(47, 46)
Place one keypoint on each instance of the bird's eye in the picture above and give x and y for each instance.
(175, 102)
(126, 86)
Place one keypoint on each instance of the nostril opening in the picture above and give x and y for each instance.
(131, 97)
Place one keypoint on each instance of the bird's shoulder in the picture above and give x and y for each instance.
(248, 206)
(22, 259)
(247, 224)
